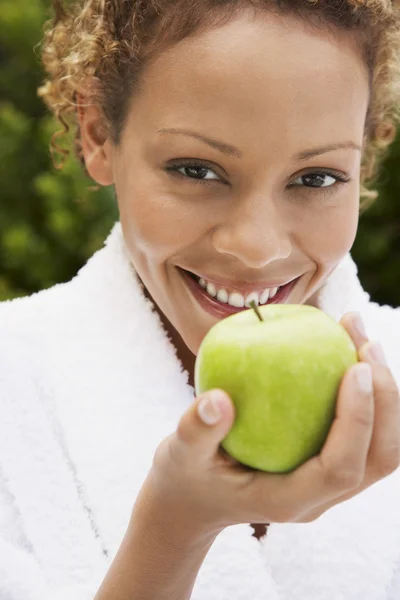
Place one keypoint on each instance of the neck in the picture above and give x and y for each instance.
(183, 353)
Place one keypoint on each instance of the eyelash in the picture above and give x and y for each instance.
(341, 179)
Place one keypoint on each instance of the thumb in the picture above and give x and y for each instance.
(206, 423)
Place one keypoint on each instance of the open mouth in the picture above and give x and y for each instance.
(192, 275)
(220, 309)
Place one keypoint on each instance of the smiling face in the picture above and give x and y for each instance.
(267, 198)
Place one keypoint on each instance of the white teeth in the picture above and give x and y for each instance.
(211, 289)
(250, 298)
(236, 299)
(223, 296)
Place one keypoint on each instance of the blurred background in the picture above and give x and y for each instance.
(51, 222)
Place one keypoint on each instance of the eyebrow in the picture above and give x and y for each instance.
(229, 150)
(324, 149)
(217, 145)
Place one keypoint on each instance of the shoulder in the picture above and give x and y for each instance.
(23, 328)
(33, 323)
(28, 309)
(28, 333)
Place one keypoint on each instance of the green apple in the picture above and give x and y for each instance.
(282, 365)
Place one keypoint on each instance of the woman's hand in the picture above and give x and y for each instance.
(202, 490)
(384, 450)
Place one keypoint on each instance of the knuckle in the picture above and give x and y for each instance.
(160, 453)
(343, 478)
(180, 430)
(285, 514)
(365, 419)
(166, 454)
(388, 464)
(391, 391)
(309, 518)
(183, 432)
(273, 505)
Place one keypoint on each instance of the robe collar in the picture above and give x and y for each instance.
(113, 388)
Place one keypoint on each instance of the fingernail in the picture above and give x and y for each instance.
(358, 325)
(364, 377)
(208, 408)
(375, 351)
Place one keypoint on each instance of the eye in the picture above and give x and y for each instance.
(195, 172)
(320, 180)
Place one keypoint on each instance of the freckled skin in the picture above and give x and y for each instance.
(273, 88)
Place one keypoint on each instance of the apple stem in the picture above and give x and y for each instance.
(255, 307)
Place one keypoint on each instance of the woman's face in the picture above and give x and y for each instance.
(272, 196)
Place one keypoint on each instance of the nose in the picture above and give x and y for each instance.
(255, 232)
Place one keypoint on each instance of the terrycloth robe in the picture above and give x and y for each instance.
(90, 384)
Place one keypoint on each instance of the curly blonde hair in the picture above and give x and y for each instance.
(100, 48)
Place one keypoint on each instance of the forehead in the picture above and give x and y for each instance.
(259, 71)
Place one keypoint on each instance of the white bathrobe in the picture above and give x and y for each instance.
(89, 386)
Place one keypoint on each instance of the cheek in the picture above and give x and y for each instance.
(156, 223)
(332, 235)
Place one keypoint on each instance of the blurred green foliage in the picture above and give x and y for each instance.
(50, 221)
(376, 250)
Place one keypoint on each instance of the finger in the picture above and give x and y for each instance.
(339, 467)
(205, 424)
(341, 464)
(343, 458)
(384, 451)
(354, 325)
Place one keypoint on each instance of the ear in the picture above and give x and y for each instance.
(96, 146)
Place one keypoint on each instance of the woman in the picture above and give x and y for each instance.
(238, 137)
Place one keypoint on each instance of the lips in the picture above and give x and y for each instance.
(239, 287)
(221, 310)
